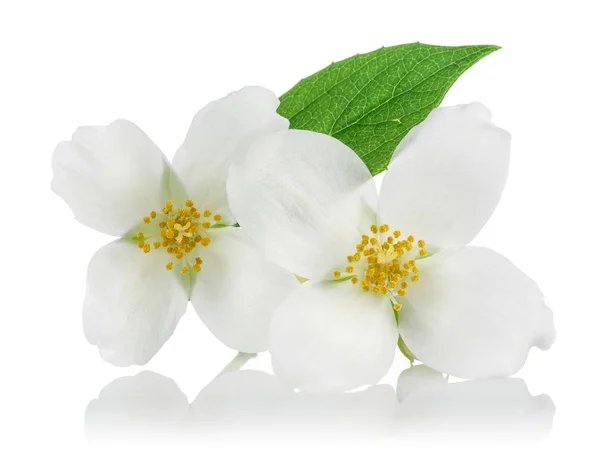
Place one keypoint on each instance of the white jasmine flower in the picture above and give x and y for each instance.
(312, 206)
(177, 235)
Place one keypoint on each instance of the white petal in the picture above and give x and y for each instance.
(132, 303)
(499, 408)
(332, 337)
(111, 176)
(142, 405)
(221, 133)
(237, 290)
(474, 315)
(447, 176)
(305, 198)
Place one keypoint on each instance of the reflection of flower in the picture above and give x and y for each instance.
(254, 404)
(311, 204)
(178, 239)
(503, 408)
(241, 404)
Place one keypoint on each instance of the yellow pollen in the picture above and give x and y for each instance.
(390, 264)
(177, 231)
(397, 306)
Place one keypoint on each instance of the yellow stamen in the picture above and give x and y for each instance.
(390, 263)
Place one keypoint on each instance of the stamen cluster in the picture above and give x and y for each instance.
(179, 231)
(391, 262)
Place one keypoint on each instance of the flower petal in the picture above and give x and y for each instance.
(332, 337)
(132, 303)
(474, 315)
(447, 176)
(111, 176)
(220, 133)
(237, 290)
(305, 198)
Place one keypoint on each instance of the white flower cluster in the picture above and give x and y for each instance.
(248, 203)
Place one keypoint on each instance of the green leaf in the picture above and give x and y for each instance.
(370, 101)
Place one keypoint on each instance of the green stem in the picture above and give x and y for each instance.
(236, 363)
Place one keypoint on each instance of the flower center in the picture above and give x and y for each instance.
(179, 233)
(388, 262)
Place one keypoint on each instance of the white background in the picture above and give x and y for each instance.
(66, 64)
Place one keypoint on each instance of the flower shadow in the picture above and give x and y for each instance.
(251, 404)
